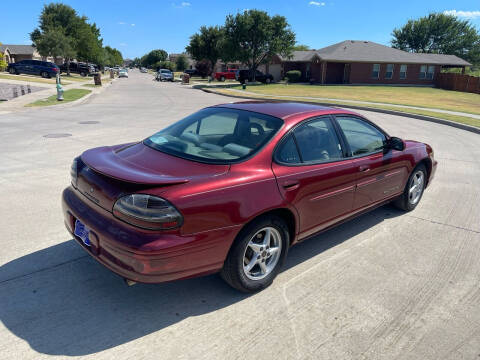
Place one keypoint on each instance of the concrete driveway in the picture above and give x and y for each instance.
(385, 285)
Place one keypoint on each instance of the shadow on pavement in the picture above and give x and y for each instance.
(78, 307)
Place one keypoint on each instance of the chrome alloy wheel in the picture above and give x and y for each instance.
(262, 253)
(416, 187)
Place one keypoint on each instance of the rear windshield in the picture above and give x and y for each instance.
(216, 135)
(165, 71)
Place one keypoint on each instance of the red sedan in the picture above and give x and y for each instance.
(230, 188)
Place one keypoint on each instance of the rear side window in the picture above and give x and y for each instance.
(362, 137)
(288, 152)
(313, 142)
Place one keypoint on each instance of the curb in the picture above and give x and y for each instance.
(356, 107)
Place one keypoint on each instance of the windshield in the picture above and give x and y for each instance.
(216, 135)
(165, 71)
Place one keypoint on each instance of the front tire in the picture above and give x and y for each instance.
(12, 71)
(414, 189)
(257, 254)
(45, 74)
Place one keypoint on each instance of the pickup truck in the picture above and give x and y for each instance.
(79, 68)
(222, 75)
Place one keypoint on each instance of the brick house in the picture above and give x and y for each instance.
(366, 62)
(16, 53)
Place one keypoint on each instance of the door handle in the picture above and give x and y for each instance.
(291, 185)
(363, 168)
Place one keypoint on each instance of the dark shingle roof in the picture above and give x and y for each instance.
(367, 51)
(18, 49)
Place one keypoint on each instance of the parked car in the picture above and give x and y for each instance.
(191, 72)
(247, 75)
(45, 69)
(164, 75)
(223, 75)
(230, 188)
(83, 69)
(143, 70)
(123, 73)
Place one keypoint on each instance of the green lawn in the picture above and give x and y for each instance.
(68, 95)
(399, 95)
(31, 79)
(76, 78)
(91, 85)
(455, 118)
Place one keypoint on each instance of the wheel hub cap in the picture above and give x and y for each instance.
(262, 253)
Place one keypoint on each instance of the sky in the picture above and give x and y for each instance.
(136, 27)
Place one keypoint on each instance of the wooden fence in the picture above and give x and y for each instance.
(458, 82)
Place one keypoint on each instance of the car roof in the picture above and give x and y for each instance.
(284, 109)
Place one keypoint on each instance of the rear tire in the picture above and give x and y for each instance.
(12, 71)
(268, 81)
(222, 78)
(83, 73)
(257, 254)
(413, 192)
(44, 74)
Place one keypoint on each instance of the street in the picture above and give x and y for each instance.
(385, 285)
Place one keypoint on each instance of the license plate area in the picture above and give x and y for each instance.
(82, 232)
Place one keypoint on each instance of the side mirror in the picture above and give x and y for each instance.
(395, 143)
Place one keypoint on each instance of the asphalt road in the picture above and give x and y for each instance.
(386, 285)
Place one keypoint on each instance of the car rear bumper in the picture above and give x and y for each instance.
(142, 255)
(432, 171)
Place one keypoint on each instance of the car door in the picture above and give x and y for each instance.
(314, 175)
(381, 172)
(22, 66)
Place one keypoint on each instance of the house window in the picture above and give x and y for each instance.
(423, 72)
(389, 71)
(403, 71)
(430, 72)
(375, 71)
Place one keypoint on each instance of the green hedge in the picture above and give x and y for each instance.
(293, 75)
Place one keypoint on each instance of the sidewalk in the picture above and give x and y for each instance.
(19, 103)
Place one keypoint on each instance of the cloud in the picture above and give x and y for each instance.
(185, 4)
(463, 14)
(123, 44)
(316, 3)
(121, 23)
(132, 24)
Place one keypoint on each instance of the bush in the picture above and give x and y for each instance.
(204, 68)
(165, 65)
(3, 65)
(293, 75)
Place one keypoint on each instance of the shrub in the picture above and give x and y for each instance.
(165, 65)
(204, 68)
(293, 75)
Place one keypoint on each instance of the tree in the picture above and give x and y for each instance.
(253, 37)
(153, 57)
(441, 34)
(112, 56)
(300, 47)
(181, 62)
(3, 63)
(62, 31)
(206, 45)
(54, 43)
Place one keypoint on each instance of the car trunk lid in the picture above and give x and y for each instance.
(106, 173)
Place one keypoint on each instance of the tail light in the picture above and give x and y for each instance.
(147, 211)
(74, 172)
(55, 69)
